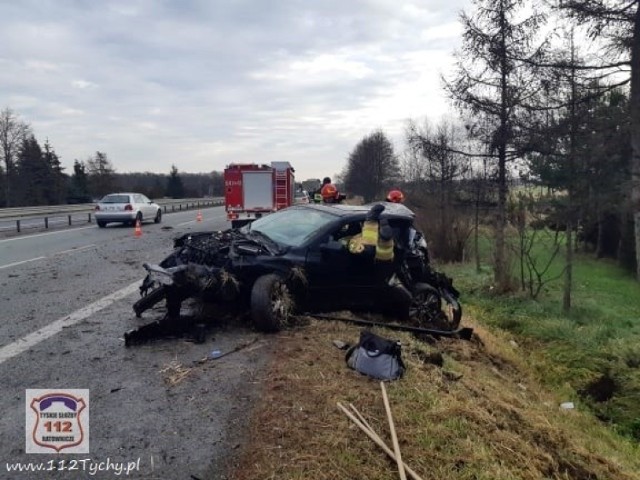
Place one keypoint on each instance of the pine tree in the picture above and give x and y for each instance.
(32, 174)
(491, 83)
(56, 189)
(175, 188)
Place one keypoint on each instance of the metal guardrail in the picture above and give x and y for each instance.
(23, 218)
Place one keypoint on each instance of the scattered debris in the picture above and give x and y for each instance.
(216, 354)
(340, 345)
(175, 372)
(464, 333)
(567, 405)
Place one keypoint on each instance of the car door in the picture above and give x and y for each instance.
(337, 276)
(150, 211)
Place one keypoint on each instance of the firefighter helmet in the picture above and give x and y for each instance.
(395, 196)
(329, 192)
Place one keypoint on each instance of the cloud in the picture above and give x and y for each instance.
(204, 83)
(82, 84)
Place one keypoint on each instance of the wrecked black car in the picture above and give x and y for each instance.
(304, 259)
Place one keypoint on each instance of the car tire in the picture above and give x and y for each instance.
(138, 218)
(271, 303)
(158, 218)
(433, 309)
(101, 224)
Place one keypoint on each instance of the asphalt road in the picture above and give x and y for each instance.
(65, 302)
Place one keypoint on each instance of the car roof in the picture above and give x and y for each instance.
(391, 210)
(123, 193)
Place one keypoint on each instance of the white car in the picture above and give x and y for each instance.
(126, 208)
(301, 197)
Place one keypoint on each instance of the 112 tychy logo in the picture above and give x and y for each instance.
(57, 421)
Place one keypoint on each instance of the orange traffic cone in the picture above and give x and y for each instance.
(199, 216)
(138, 231)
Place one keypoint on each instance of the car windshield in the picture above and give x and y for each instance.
(115, 199)
(293, 226)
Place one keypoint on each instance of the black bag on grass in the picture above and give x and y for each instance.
(376, 357)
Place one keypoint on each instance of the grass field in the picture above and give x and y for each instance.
(479, 413)
(485, 409)
(593, 353)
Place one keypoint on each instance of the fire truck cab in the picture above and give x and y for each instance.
(252, 190)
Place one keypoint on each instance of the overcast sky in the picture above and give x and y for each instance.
(201, 84)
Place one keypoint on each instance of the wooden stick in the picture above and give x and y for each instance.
(361, 418)
(376, 439)
(383, 445)
(394, 437)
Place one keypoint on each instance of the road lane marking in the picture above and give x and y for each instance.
(23, 237)
(77, 249)
(71, 250)
(20, 263)
(32, 339)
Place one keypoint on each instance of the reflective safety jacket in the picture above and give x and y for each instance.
(384, 250)
(370, 239)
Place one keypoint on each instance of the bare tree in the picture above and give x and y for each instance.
(438, 169)
(372, 167)
(101, 174)
(12, 133)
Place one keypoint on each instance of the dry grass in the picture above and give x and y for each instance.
(479, 416)
(174, 372)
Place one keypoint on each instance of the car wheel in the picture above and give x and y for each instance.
(101, 224)
(158, 218)
(271, 303)
(431, 309)
(138, 218)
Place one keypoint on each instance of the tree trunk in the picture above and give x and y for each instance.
(500, 274)
(600, 239)
(635, 134)
(476, 239)
(501, 265)
(638, 242)
(568, 273)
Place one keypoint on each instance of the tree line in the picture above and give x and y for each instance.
(533, 109)
(31, 174)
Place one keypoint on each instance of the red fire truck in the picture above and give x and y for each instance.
(252, 190)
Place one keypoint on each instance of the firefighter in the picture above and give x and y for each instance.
(395, 196)
(317, 195)
(329, 193)
(376, 238)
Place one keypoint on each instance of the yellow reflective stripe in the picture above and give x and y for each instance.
(384, 250)
(370, 233)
